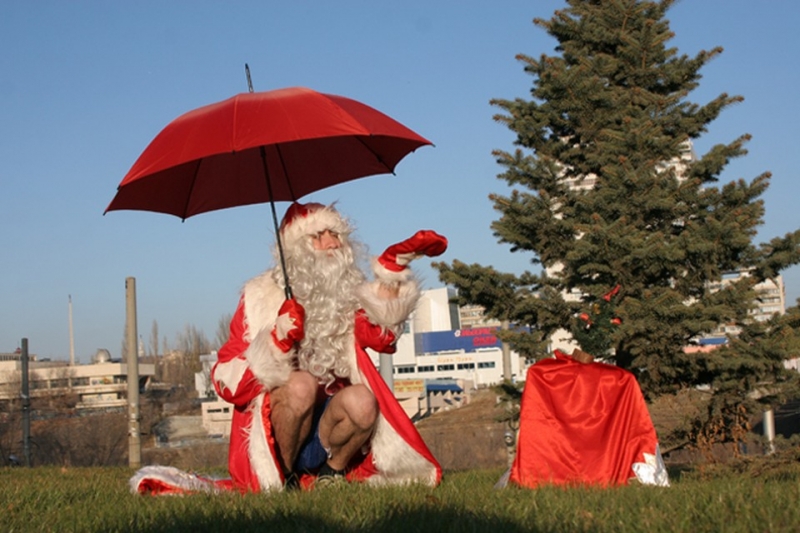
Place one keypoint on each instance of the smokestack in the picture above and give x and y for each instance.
(71, 336)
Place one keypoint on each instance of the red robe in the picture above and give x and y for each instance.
(249, 365)
(251, 474)
(584, 424)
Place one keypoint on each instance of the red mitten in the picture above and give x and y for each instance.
(424, 242)
(288, 328)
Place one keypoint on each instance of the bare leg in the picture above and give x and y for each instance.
(348, 423)
(291, 410)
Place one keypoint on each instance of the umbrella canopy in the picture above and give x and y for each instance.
(262, 147)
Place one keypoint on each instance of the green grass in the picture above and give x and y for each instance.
(97, 499)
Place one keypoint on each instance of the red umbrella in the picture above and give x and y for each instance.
(211, 158)
(262, 147)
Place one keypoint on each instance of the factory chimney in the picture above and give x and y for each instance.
(71, 336)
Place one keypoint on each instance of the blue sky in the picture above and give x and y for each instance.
(86, 85)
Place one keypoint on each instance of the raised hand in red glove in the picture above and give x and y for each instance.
(424, 242)
(288, 328)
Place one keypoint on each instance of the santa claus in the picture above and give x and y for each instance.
(309, 405)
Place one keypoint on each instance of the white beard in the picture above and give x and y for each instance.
(324, 282)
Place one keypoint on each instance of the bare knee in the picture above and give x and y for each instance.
(298, 393)
(360, 405)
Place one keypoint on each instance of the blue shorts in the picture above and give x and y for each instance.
(312, 454)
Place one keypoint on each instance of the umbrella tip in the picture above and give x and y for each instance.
(249, 80)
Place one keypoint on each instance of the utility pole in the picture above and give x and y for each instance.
(131, 336)
(26, 405)
(386, 369)
(506, 355)
(769, 431)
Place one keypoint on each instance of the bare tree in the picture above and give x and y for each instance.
(124, 346)
(184, 361)
(57, 435)
(206, 384)
(92, 440)
(192, 341)
(154, 339)
(223, 330)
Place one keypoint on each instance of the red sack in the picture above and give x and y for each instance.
(584, 424)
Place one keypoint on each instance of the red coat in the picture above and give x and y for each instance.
(398, 453)
(250, 364)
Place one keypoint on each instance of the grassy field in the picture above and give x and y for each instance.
(751, 497)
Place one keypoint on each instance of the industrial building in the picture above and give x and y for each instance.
(102, 384)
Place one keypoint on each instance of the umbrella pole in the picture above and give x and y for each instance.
(287, 288)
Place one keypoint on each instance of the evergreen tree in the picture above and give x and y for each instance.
(592, 329)
(607, 192)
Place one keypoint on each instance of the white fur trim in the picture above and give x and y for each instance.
(262, 300)
(261, 458)
(269, 364)
(388, 313)
(169, 475)
(313, 223)
(352, 362)
(396, 461)
(390, 276)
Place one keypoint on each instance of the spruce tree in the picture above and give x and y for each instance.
(607, 192)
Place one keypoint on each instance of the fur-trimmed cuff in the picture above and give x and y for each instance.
(389, 276)
(268, 363)
(388, 313)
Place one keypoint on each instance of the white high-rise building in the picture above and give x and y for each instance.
(436, 347)
(436, 311)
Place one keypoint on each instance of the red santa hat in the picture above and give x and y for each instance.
(304, 220)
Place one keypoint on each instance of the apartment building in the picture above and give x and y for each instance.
(770, 300)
